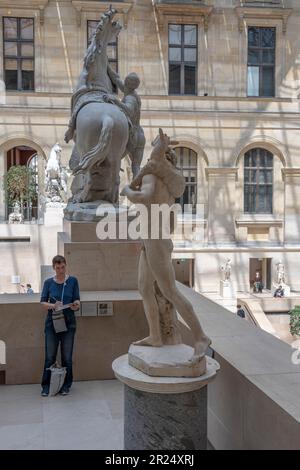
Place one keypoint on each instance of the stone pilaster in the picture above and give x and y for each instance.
(292, 205)
(221, 204)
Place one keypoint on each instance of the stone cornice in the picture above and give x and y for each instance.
(123, 8)
(259, 12)
(238, 248)
(221, 171)
(290, 172)
(38, 5)
(188, 10)
(258, 220)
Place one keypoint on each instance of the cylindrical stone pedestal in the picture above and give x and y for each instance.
(164, 413)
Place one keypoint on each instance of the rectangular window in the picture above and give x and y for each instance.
(258, 182)
(183, 58)
(261, 61)
(187, 162)
(112, 49)
(18, 53)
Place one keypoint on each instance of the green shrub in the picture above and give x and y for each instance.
(295, 320)
(19, 183)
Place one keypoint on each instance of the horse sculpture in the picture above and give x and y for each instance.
(52, 171)
(99, 129)
(55, 174)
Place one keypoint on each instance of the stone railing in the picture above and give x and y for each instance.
(254, 401)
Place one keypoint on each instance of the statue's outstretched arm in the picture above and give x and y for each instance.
(145, 194)
(150, 168)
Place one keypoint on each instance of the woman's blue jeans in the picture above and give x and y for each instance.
(52, 340)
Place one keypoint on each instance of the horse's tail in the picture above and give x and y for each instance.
(98, 153)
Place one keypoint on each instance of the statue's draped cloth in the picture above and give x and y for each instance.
(84, 96)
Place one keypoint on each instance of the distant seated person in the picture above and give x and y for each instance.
(258, 287)
(240, 311)
(27, 289)
(279, 292)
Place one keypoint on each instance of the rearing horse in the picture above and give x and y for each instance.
(100, 130)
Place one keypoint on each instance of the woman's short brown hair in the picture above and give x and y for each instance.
(58, 259)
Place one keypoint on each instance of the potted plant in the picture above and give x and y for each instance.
(295, 321)
(20, 186)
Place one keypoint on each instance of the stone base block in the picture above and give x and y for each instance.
(99, 265)
(86, 211)
(226, 290)
(166, 361)
(53, 216)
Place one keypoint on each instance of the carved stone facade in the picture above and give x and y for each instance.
(221, 123)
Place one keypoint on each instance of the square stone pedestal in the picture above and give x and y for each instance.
(98, 265)
(226, 290)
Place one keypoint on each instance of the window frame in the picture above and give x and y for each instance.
(19, 58)
(190, 169)
(257, 184)
(261, 65)
(182, 61)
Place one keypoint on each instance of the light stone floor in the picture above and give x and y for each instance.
(230, 304)
(91, 417)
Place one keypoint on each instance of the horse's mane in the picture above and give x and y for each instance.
(95, 48)
(91, 52)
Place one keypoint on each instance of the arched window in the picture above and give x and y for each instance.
(2, 352)
(187, 162)
(258, 182)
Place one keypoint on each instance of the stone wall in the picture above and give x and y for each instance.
(25, 249)
(99, 339)
(219, 127)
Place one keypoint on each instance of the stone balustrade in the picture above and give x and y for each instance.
(254, 401)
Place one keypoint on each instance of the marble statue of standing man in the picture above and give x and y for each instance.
(280, 273)
(227, 270)
(155, 261)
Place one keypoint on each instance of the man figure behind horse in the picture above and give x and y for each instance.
(131, 105)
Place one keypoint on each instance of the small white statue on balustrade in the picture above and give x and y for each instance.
(226, 270)
(280, 272)
(16, 217)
